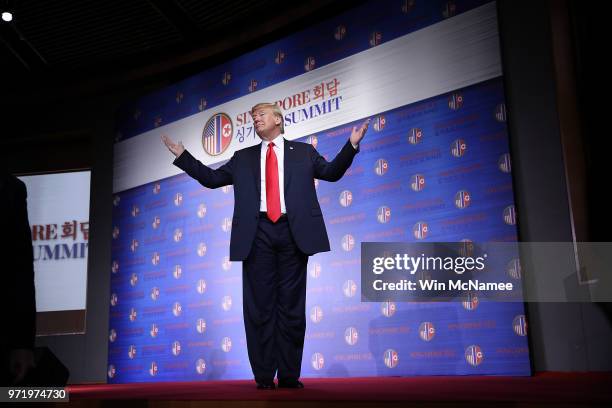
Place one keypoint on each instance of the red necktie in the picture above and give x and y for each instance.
(272, 193)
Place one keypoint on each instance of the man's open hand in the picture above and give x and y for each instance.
(176, 148)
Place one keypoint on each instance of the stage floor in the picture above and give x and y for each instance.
(546, 388)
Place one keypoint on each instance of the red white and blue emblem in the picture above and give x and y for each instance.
(226, 264)
(449, 10)
(379, 123)
(226, 344)
(349, 288)
(510, 215)
(318, 361)
(134, 245)
(156, 222)
(201, 249)
(155, 258)
(381, 167)
(178, 235)
(309, 64)
(226, 189)
(132, 315)
(132, 351)
(346, 198)
(253, 85)
(340, 32)
(177, 309)
(200, 366)
(217, 134)
(201, 287)
(201, 326)
(133, 279)
(313, 140)
(504, 163)
(388, 309)
(156, 188)
(177, 272)
(112, 371)
(316, 314)
(279, 57)
(427, 331)
(466, 248)
(112, 335)
(176, 348)
(519, 325)
(458, 148)
(500, 112)
(202, 104)
(315, 270)
(470, 302)
(407, 6)
(391, 358)
(474, 355)
(226, 78)
(178, 199)
(114, 299)
(226, 224)
(417, 182)
(383, 214)
(514, 268)
(462, 199)
(455, 101)
(420, 230)
(375, 38)
(415, 136)
(201, 210)
(179, 97)
(115, 267)
(154, 330)
(226, 303)
(154, 293)
(116, 200)
(351, 336)
(153, 369)
(348, 242)
(115, 232)
(135, 210)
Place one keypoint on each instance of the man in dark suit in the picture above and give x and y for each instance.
(277, 225)
(18, 303)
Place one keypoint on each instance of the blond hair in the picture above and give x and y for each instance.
(275, 110)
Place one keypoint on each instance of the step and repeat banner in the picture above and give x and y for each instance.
(433, 167)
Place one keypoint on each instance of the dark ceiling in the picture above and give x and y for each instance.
(98, 43)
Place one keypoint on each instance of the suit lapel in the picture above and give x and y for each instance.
(256, 165)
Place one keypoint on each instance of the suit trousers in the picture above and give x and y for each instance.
(274, 302)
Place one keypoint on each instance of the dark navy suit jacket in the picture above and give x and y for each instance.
(302, 164)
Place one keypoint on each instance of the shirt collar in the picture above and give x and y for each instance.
(278, 142)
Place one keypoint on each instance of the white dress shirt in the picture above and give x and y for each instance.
(279, 149)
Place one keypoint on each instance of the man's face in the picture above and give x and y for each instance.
(265, 122)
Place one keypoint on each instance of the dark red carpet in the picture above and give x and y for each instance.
(580, 388)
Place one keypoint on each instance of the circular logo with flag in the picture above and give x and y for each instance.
(383, 214)
(470, 302)
(133, 279)
(340, 32)
(510, 215)
(514, 268)
(226, 344)
(381, 167)
(201, 286)
(351, 336)
(154, 330)
(177, 309)
(519, 325)
(346, 198)
(462, 199)
(388, 309)
(177, 272)
(112, 335)
(455, 101)
(217, 134)
(133, 314)
(115, 232)
(315, 270)
(113, 299)
(500, 112)
(200, 366)
(201, 210)
(349, 288)
(316, 314)
(317, 361)
(115, 267)
(132, 352)
(391, 358)
(417, 182)
(458, 148)
(176, 348)
(348, 242)
(420, 230)
(201, 249)
(153, 369)
(226, 303)
(111, 371)
(504, 163)
(155, 293)
(474, 355)
(427, 331)
(201, 326)
(415, 136)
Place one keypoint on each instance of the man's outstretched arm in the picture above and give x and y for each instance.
(206, 176)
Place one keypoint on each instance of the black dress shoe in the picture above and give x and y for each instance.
(265, 386)
(290, 384)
